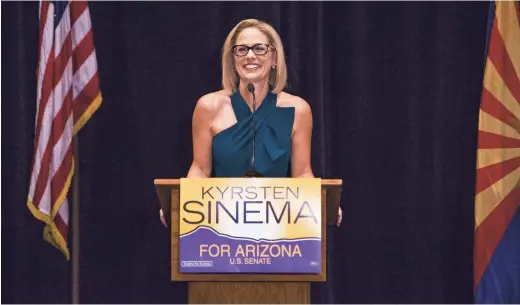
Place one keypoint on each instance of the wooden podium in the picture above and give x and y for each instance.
(232, 288)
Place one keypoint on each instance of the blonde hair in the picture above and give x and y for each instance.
(277, 78)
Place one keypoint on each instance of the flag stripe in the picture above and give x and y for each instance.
(45, 45)
(61, 225)
(43, 12)
(507, 23)
(60, 160)
(59, 181)
(83, 50)
(503, 62)
(81, 27)
(489, 175)
(494, 83)
(491, 124)
(487, 157)
(517, 9)
(496, 109)
(84, 75)
(78, 10)
(81, 104)
(62, 29)
(488, 200)
(490, 140)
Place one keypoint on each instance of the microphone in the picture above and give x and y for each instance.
(252, 172)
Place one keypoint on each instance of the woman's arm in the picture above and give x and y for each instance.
(301, 140)
(202, 138)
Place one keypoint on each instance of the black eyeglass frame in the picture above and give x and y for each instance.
(234, 48)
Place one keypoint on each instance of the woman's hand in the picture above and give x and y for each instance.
(163, 219)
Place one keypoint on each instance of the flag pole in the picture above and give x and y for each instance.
(75, 224)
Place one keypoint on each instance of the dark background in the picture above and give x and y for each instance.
(394, 88)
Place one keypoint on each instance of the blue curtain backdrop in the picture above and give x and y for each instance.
(394, 88)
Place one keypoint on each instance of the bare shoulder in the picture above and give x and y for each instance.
(301, 107)
(302, 110)
(212, 102)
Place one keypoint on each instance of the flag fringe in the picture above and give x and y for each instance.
(51, 233)
(88, 113)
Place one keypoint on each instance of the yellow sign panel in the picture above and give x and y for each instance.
(275, 222)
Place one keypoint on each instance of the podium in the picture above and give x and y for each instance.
(246, 288)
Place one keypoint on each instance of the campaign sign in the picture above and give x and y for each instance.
(250, 225)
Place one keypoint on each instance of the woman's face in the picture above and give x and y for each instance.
(254, 64)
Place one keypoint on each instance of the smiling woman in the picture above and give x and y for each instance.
(267, 59)
(253, 59)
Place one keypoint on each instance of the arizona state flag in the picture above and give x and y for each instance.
(497, 216)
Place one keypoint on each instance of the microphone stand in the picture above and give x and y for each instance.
(252, 172)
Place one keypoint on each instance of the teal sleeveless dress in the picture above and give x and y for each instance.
(232, 147)
(232, 150)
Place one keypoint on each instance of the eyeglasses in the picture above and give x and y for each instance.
(258, 49)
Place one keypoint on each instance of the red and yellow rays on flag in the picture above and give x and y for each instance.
(498, 157)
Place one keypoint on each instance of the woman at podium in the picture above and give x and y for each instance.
(252, 127)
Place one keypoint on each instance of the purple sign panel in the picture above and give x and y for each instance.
(206, 251)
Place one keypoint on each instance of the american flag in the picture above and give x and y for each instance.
(68, 93)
